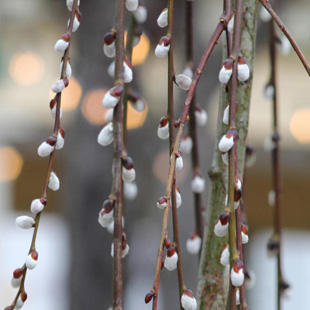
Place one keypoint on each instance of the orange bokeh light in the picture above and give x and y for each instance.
(11, 164)
(141, 50)
(300, 126)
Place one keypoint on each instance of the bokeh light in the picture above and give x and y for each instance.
(71, 95)
(300, 126)
(141, 50)
(26, 68)
(135, 119)
(161, 168)
(92, 108)
(11, 164)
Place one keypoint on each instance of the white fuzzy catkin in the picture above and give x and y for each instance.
(220, 230)
(230, 25)
(284, 46)
(105, 219)
(178, 199)
(68, 70)
(162, 20)
(61, 45)
(163, 132)
(111, 69)
(188, 72)
(226, 143)
(225, 158)
(25, 222)
(106, 136)
(59, 86)
(269, 145)
(36, 206)
(109, 50)
(183, 81)
(236, 203)
(53, 111)
(16, 282)
(54, 183)
(201, 117)
(127, 73)
(193, 245)
(70, 4)
(237, 297)
(179, 163)
(45, 149)
(186, 145)
(188, 302)
(226, 116)
(110, 227)
(162, 205)
(243, 72)
(76, 24)
(225, 257)
(171, 262)
(140, 14)
(19, 303)
(161, 50)
(109, 101)
(124, 252)
(60, 141)
(271, 198)
(30, 262)
(130, 190)
(269, 92)
(264, 15)
(225, 75)
(198, 184)
(131, 5)
(245, 238)
(237, 278)
(129, 175)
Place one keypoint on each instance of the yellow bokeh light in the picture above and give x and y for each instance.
(92, 108)
(11, 164)
(71, 95)
(135, 119)
(26, 68)
(300, 126)
(141, 50)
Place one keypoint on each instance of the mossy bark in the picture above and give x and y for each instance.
(212, 288)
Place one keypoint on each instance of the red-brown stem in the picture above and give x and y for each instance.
(51, 158)
(192, 118)
(282, 27)
(276, 173)
(117, 185)
(233, 85)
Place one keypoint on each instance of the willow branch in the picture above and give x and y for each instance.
(282, 27)
(276, 173)
(192, 118)
(117, 190)
(65, 58)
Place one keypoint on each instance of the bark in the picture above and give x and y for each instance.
(212, 283)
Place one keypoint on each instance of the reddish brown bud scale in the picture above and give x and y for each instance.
(174, 180)
(163, 121)
(51, 140)
(127, 61)
(43, 201)
(78, 15)
(198, 108)
(117, 90)
(224, 218)
(66, 37)
(34, 254)
(53, 103)
(167, 243)
(66, 81)
(276, 137)
(127, 162)
(232, 133)
(225, 247)
(61, 131)
(162, 200)
(109, 38)
(241, 61)
(148, 297)
(176, 124)
(237, 194)
(189, 293)
(23, 296)
(166, 40)
(228, 64)
(283, 285)
(249, 150)
(273, 245)
(244, 229)
(171, 251)
(238, 264)
(108, 206)
(177, 189)
(9, 308)
(138, 31)
(194, 235)
(17, 273)
(133, 96)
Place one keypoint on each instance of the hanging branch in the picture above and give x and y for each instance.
(282, 27)
(198, 203)
(117, 185)
(274, 243)
(47, 148)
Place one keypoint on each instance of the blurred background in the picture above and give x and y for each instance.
(75, 266)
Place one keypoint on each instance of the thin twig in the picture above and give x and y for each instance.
(51, 158)
(117, 185)
(189, 43)
(282, 27)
